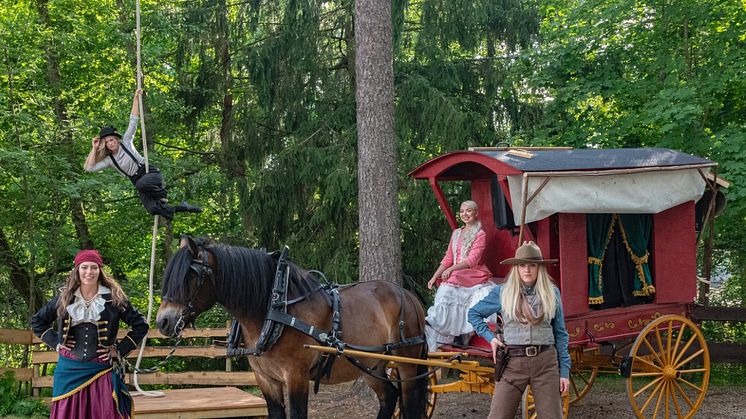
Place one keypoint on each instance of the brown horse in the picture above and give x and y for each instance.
(241, 280)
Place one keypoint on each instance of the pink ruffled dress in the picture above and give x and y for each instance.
(463, 289)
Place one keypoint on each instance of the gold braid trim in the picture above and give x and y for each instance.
(82, 386)
(600, 263)
(595, 300)
(639, 261)
(116, 405)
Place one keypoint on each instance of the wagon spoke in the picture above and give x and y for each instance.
(686, 348)
(648, 385)
(581, 380)
(675, 350)
(653, 351)
(659, 390)
(661, 350)
(668, 392)
(693, 370)
(675, 399)
(574, 386)
(646, 374)
(669, 356)
(689, 358)
(645, 361)
(690, 384)
(683, 394)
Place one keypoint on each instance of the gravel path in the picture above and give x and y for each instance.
(607, 399)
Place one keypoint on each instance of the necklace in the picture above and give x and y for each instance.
(87, 302)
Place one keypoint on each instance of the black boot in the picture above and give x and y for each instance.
(184, 207)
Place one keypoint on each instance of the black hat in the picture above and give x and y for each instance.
(108, 130)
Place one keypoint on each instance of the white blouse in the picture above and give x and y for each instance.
(82, 310)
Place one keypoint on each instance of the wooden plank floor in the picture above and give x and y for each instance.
(215, 402)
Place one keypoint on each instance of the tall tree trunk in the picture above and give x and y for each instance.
(380, 243)
(230, 162)
(53, 78)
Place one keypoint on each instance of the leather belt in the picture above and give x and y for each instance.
(527, 350)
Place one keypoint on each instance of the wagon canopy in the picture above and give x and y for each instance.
(631, 180)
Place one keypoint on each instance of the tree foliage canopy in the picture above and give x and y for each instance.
(250, 111)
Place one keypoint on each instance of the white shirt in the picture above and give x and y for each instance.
(123, 159)
(82, 311)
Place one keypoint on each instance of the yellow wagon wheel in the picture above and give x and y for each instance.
(528, 405)
(431, 397)
(582, 377)
(669, 369)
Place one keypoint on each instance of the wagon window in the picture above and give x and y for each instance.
(618, 260)
(501, 211)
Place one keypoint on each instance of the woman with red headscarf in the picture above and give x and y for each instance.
(87, 312)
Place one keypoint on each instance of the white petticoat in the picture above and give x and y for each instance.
(448, 316)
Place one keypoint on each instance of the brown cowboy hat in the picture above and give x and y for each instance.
(529, 252)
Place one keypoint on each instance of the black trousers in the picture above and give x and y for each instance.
(151, 190)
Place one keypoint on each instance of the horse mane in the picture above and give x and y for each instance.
(243, 278)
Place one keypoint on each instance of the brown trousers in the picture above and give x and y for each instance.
(542, 373)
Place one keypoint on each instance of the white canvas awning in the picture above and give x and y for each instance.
(645, 192)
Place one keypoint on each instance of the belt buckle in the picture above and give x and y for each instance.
(532, 350)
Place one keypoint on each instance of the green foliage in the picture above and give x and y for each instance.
(728, 375)
(11, 403)
(250, 112)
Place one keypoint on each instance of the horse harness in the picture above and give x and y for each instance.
(277, 318)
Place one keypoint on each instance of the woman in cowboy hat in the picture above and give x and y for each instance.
(462, 279)
(534, 335)
(110, 149)
(87, 312)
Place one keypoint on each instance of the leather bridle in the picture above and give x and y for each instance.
(201, 267)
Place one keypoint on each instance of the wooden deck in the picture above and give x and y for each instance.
(216, 402)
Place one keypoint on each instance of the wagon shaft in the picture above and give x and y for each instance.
(469, 382)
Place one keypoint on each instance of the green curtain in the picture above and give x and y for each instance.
(597, 227)
(636, 230)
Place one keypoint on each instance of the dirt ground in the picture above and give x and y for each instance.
(607, 399)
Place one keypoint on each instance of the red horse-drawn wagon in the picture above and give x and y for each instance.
(623, 224)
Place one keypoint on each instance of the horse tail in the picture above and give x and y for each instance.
(415, 406)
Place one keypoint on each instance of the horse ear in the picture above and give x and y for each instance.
(189, 243)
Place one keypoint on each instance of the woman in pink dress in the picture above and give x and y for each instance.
(462, 280)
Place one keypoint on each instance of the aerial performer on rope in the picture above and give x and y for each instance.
(110, 149)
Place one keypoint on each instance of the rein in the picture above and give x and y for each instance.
(277, 318)
(203, 269)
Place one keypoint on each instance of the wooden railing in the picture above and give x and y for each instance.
(41, 356)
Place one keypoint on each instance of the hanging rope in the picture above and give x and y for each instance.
(139, 87)
(154, 235)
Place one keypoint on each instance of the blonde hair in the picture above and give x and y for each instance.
(544, 289)
(101, 152)
(469, 233)
(471, 204)
(73, 283)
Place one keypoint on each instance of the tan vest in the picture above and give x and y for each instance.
(517, 333)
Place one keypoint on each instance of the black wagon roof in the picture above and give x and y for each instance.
(594, 159)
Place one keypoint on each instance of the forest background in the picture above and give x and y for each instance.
(250, 112)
